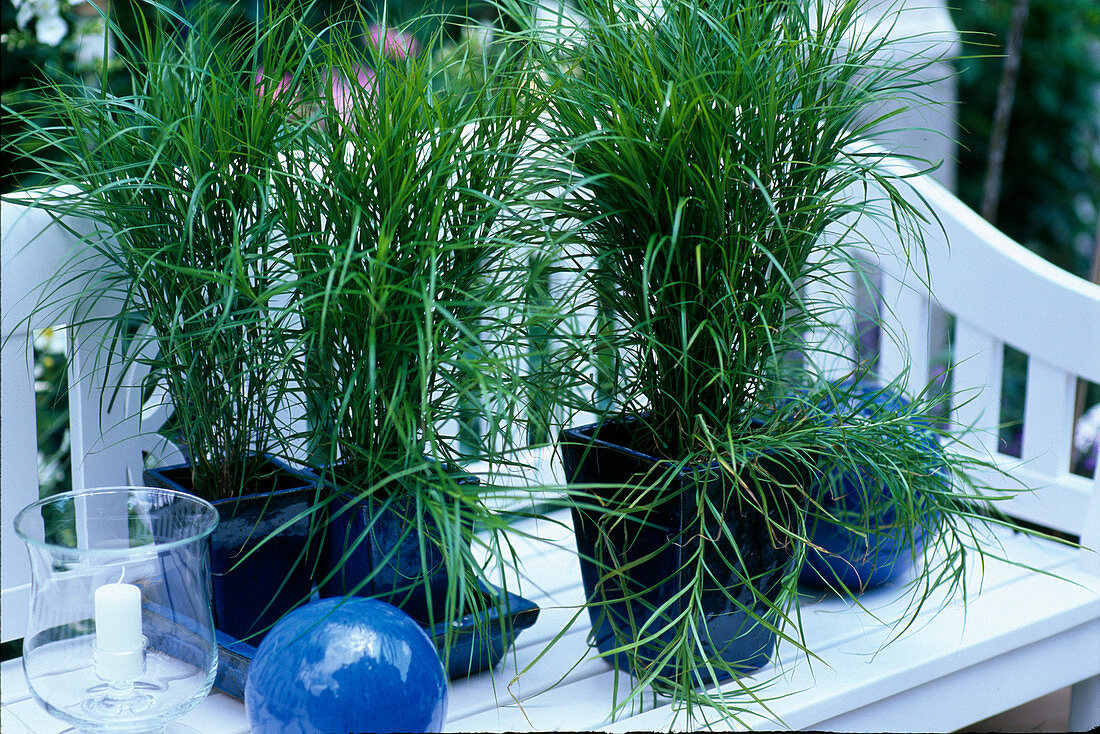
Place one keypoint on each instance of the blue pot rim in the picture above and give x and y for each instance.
(587, 434)
(308, 478)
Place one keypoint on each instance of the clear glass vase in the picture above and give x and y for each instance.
(120, 636)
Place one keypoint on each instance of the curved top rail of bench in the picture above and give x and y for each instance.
(1008, 291)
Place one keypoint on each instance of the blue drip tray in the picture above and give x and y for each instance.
(478, 640)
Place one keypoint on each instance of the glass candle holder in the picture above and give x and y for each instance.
(120, 636)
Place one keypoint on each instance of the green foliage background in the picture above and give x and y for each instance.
(1050, 196)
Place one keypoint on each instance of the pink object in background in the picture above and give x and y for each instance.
(344, 92)
(397, 44)
(280, 87)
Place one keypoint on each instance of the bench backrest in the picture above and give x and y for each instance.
(105, 441)
(1000, 294)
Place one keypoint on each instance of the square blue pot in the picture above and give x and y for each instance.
(369, 543)
(250, 595)
(631, 568)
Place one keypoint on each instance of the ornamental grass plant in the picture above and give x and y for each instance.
(403, 216)
(714, 164)
(184, 262)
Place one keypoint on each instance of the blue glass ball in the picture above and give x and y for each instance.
(346, 665)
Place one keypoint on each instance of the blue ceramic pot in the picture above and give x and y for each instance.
(373, 546)
(251, 595)
(346, 665)
(887, 551)
(475, 642)
(653, 547)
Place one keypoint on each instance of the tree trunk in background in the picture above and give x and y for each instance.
(1006, 95)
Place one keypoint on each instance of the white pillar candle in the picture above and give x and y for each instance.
(119, 646)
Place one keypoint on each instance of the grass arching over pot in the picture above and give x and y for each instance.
(185, 271)
(705, 147)
(402, 214)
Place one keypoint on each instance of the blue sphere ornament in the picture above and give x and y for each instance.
(346, 665)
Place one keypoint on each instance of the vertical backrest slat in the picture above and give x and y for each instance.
(18, 478)
(1048, 417)
(833, 295)
(976, 373)
(31, 247)
(903, 342)
(1090, 536)
(106, 431)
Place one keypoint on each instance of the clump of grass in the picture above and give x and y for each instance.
(708, 150)
(403, 217)
(176, 176)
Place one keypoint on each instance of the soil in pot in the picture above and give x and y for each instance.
(632, 566)
(252, 592)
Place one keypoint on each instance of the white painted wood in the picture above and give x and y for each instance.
(977, 368)
(832, 344)
(105, 418)
(1007, 291)
(29, 713)
(1063, 505)
(854, 673)
(31, 247)
(11, 724)
(1084, 707)
(920, 30)
(1007, 295)
(904, 341)
(14, 686)
(1048, 417)
(1090, 534)
(18, 481)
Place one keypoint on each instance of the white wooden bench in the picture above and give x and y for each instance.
(1021, 635)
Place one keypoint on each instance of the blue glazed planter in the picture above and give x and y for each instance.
(251, 595)
(653, 547)
(888, 550)
(346, 665)
(375, 554)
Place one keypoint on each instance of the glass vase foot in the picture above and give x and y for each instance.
(173, 728)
